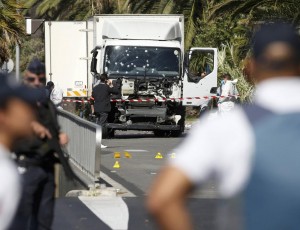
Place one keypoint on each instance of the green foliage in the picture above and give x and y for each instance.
(31, 48)
(229, 62)
(225, 24)
(11, 27)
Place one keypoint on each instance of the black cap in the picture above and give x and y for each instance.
(275, 32)
(36, 67)
(9, 88)
(50, 84)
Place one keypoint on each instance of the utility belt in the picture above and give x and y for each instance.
(26, 162)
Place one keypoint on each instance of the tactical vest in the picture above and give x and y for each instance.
(271, 199)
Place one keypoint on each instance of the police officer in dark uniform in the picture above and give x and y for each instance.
(101, 96)
(36, 159)
(100, 101)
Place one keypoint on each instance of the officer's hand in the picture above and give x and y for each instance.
(109, 82)
(41, 131)
(63, 139)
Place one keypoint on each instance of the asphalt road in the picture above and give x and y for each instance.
(137, 173)
(132, 180)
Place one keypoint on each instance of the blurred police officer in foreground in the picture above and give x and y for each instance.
(36, 160)
(256, 156)
(16, 116)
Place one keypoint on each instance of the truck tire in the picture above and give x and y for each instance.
(159, 133)
(178, 133)
(111, 133)
(107, 133)
(175, 133)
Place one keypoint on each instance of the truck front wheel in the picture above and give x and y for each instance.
(176, 133)
(159, 133)
(107, 133)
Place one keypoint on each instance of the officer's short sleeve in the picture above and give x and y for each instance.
(219, 148)
(9, 191)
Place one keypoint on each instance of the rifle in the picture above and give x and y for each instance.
(64, 161)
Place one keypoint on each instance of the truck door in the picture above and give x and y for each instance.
(66, 56)
(200, 75)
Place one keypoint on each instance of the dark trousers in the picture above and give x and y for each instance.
(36, 207)
(102, 118)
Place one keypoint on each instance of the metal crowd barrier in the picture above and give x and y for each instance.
(85, 143)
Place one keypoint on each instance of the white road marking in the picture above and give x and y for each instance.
(113, 211)
(136, 150)
(123, 192)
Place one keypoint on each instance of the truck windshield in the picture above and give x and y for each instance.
(142, 61)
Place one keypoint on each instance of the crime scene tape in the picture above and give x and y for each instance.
(156, 100)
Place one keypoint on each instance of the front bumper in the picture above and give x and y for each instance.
(149, 127)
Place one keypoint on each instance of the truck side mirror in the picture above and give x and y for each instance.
(186, 60)
(94, 62)
(213, 90)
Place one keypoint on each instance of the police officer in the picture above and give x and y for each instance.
(16, 116)
(36, 161)
(101, 94)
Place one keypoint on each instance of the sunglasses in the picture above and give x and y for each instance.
(32, 79)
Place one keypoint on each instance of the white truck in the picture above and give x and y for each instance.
(144, 56)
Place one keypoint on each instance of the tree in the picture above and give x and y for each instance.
(191, 9)
(82, 9)
(259, 10)
(11, 27)
(68, 9)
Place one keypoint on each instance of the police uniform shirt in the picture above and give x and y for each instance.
(10, 188)
(224, 146)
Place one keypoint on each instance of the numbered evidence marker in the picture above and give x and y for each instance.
(159, 156)
(127, 155)
(117, 155)
(116, 165)
(173, 156)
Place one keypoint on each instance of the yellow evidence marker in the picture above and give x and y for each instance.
(127, 155)
(117, 155)
(159, 156)
(117, 165)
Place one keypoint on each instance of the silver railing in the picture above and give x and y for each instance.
(85, 143)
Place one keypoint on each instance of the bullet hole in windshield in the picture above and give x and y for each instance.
(129, 60)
